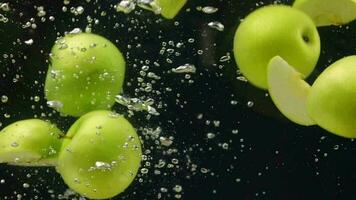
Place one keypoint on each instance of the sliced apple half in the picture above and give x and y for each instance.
(328, 12)
(288, 91)
(31, 142)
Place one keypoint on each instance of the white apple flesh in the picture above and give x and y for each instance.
(288, 91)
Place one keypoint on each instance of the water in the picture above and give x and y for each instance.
(207, 133)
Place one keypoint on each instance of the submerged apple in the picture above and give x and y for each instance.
(170, 8)
(100, 156)
(332, 99)
(86, 72)
(288, 91)
(275, 30)
(30, 142)
(328, 12)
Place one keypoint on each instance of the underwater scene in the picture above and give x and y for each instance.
(177, 99)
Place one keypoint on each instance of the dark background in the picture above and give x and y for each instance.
(269, 157)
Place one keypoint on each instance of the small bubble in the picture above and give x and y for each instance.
(216, 25)
(54, 104)
(4, 98)
(36, 98)
(233, 102)
(79, 10)
(144, 170)
(14, 144)
(175, 161)
(210, 135)
(164, 190)
(250, 104)
(225, 58)
(29, 42)
(225, 146)
(204, 170)
(209, 9)
(165, 141)
(186, 68)
(177, 188)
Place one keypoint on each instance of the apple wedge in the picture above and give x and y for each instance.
(167, 8)
(288, 91)
(170, 8)
(328, 12)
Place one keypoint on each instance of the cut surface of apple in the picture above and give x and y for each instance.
(288, 91)
(328, 12)
(170, 8)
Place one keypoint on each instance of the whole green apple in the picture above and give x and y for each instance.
(100, 156)
(332, 98)
(31, 142)
(86, 71)
(328, 12)
(275, 30)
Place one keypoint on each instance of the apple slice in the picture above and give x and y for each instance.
(170, 8)
(328, 12)
(288, 91)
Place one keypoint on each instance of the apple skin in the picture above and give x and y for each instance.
(275, 30)
(86, 71)
(31, 142)
(332, 99)
(170, 8)
(100, 136)
(328, 12)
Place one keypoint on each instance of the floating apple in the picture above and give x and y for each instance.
(328, 12)
(332, 99)
(100, 156)
(288, 91)
(275, 30)
(86, 71)
(170, 8)
(30, 142)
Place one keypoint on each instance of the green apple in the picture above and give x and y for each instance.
(170, 8)
(100, 156)
(288, 91)
(167, 8)
(86, 71)
(332, 99)
(328, 12)
(275, 30)
(31, 142)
